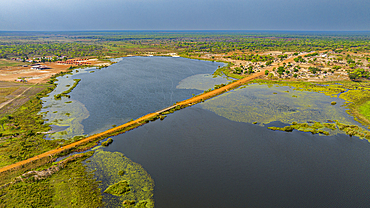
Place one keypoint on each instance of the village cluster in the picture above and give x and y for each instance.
(310, 66)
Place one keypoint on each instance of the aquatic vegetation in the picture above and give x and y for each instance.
(68, 114)
(355, 94)
(265, 103)
(108, 166)
(107, 143)
(128, 202)
(75, 109)
(65, 93)
(73, 86)
(315, 128)
(319, 128)
(257, 103)
(118, 189)
(201, 82)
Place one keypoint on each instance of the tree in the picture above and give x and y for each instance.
(313, 69)
(352, 65)
(270, 76)
(358, 73)
(337, 67)
(266, 72)
(281, 70)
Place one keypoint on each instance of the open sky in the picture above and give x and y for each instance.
(306, 15)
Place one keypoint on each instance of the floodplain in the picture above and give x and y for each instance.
(297, 135)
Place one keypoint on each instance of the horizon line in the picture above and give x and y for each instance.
(184, 30)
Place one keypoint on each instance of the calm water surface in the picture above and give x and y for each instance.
(199, 159)
(136, 86)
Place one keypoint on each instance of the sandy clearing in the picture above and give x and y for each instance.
(10, 74)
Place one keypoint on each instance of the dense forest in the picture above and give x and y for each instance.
(80, 44)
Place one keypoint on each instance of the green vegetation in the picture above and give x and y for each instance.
(252, 57)
(364, 110)
(318, 128)
(22, 137)
(107, 143)
(296, 104)
(65, 93)
(7, 63)
(312, 54)
(22, 131)
(70, 186)
(355, 93)
(118, 189)
(358, 73)
(135, 179)
(38, 49)
(73, 86)
(299, 59)
(227, 71)
(313, 70)
(315, 128)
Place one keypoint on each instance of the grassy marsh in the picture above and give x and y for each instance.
(72, 186)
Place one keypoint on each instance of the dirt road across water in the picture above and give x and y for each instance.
(104, 134)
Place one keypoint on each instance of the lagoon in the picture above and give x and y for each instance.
(210, 154)
(131, 88)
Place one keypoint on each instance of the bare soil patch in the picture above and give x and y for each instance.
(11, 74)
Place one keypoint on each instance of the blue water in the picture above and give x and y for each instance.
(199, 159)
(135, 87)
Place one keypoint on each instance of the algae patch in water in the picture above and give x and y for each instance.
(65, 112)
(118, 189)
(70, 115)
(265, 103)
(109, 166)
(325, 128)
(201, 82)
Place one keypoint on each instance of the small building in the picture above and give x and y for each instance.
(21, 80)
(36, 67)
(39, 67)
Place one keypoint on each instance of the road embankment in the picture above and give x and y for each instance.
(43, 158)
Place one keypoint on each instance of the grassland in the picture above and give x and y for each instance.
(72, 186)
(9, 63)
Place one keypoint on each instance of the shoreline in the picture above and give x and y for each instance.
(94, 139)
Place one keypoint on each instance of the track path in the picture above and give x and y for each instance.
(11, 100)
